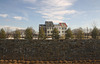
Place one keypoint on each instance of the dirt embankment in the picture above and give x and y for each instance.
(50, 50)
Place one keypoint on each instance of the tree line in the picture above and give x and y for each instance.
(17, 34)
(70, 34)
(79, 33)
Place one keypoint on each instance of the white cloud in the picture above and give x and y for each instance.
(57, 3)
(11, 27)
(55, 9)
(3, 15)
(68, 18)
(57, 21)
(31, 8)
(30, 1)
(97, 10)
(19, 18)
(79, 13)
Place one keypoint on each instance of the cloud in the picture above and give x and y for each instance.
(3, 15)
(29, 1)
(97, 10)
(57, 3)
(20, 18)
(68, 18)
(55, 21)
(55, 9)
(11, 27)
(79, 13)
(31, 8)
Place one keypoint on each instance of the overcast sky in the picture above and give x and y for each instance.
(30, 13)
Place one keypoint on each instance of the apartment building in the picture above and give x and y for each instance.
(49, 26)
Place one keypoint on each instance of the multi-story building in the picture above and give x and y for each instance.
(49, 26)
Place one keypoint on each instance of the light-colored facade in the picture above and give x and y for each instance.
(49, 26)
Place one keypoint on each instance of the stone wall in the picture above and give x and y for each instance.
(50, 50)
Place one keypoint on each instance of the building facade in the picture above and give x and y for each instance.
(49, 26)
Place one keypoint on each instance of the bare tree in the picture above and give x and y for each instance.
(78, 33)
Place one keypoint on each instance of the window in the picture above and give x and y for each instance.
(50, 27)
(48, 31)
(62, 28)
(65, 31)
(62, 31)
(47, 28)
